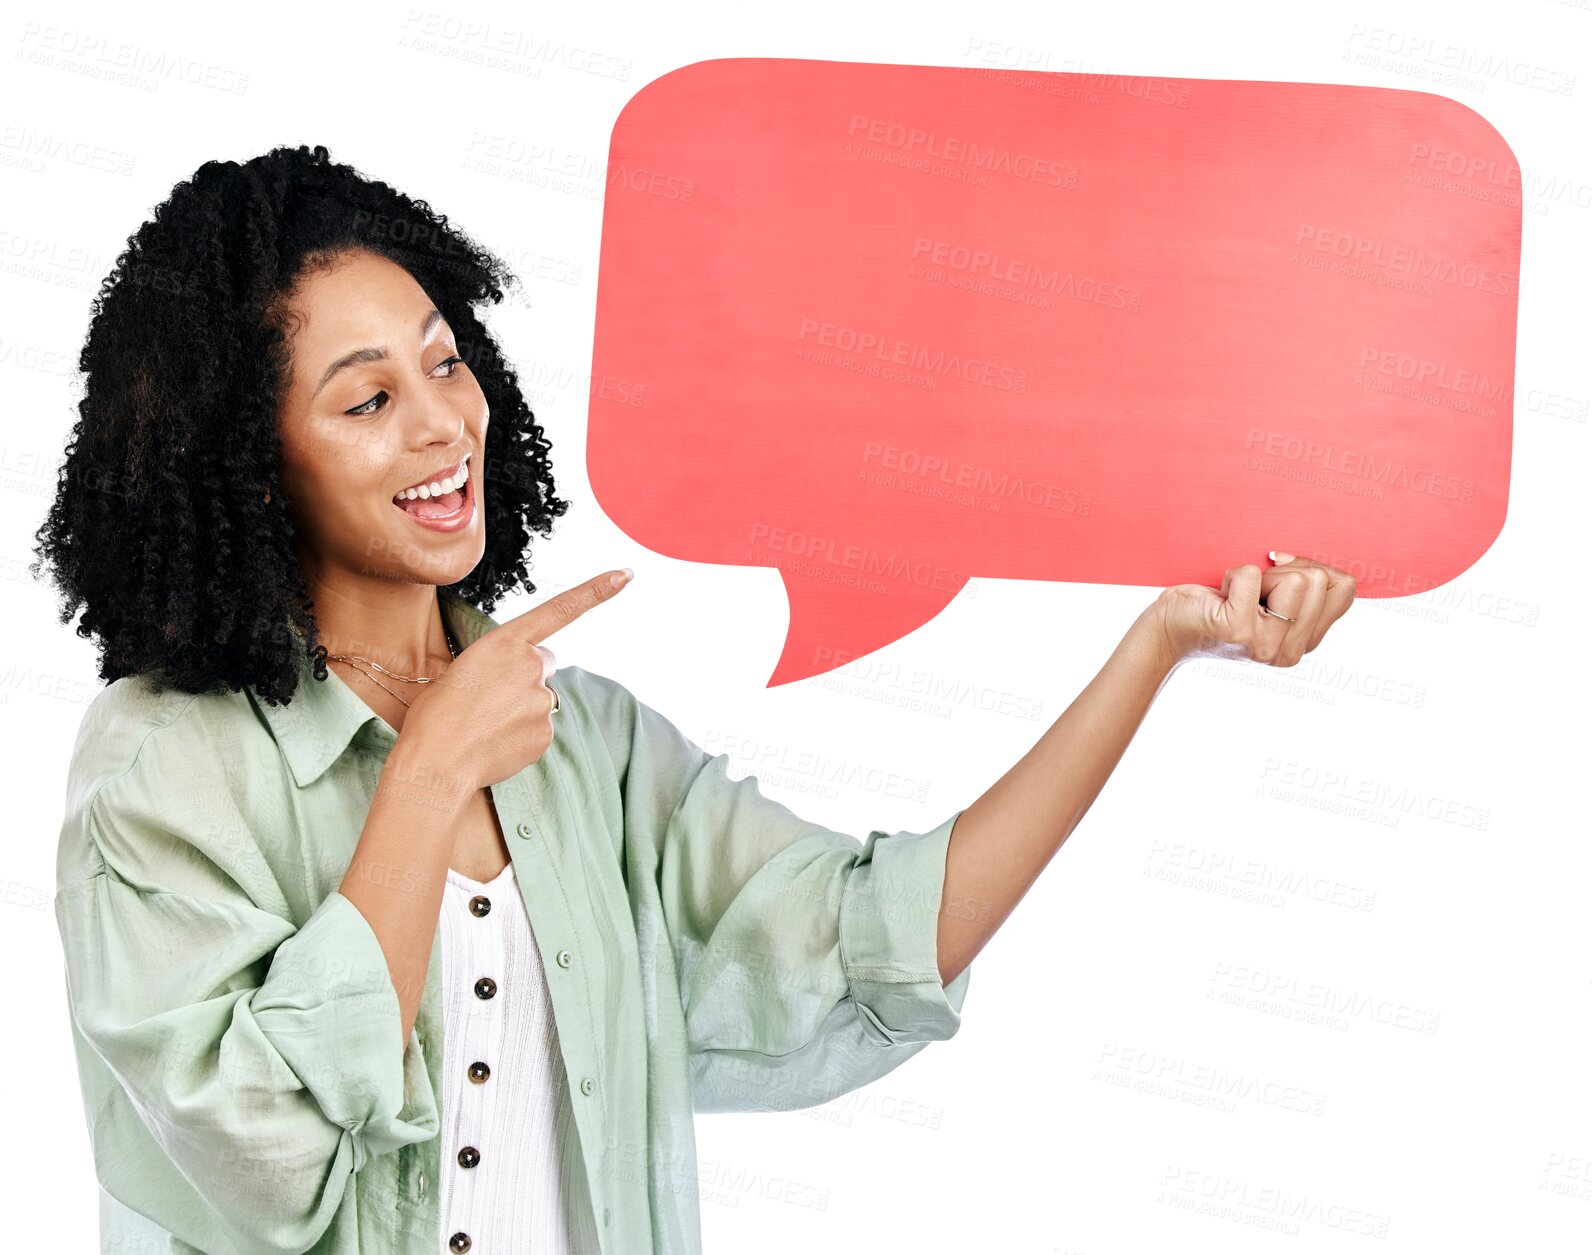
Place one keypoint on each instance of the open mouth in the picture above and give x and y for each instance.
(439, 498)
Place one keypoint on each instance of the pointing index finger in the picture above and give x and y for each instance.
(540, 622)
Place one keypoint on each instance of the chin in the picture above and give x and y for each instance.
(405, 559)
(442, 570)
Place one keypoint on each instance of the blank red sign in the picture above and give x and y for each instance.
(888, 327)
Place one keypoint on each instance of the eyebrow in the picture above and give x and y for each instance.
(375, 354)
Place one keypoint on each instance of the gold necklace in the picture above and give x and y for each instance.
(354, 661)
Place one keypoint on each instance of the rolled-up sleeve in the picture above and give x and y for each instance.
(263, 1059)
(806, 959)
(889, 936)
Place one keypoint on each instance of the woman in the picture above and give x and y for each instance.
(375, 939)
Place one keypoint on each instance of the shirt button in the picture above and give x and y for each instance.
(587, 1085)
(459, 1243)
(486, 987)
(523, 829)
(565, 958)
(480, 905)
(469, 1156)
(479, 1072)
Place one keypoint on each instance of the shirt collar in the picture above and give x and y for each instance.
(315, 727)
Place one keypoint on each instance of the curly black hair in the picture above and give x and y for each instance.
(159, 529)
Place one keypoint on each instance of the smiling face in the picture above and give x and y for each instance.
(379, 403)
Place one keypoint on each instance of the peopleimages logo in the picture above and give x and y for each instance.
(1031, 276)
(893, 351)
(988, 159)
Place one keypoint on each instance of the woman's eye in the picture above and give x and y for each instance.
(361, 410)
(370, 406)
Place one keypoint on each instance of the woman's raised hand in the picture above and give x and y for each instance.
(1230, 623)
(490, 714)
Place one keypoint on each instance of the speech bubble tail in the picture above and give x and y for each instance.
(834, 623)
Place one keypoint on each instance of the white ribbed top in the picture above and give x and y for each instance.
(523, 1197)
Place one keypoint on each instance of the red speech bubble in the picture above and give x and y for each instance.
(886, 327)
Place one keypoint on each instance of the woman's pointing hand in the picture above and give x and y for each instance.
(490, 714)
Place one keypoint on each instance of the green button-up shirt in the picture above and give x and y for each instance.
(235, 1022)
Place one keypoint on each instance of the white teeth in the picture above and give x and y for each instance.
(437, 488)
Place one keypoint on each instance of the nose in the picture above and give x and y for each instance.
(435, 422)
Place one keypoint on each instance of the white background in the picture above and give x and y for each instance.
(1031, 1131)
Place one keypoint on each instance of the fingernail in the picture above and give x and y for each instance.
(620, 580)
(1277, 555)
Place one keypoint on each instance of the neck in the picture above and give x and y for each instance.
(396, 624)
